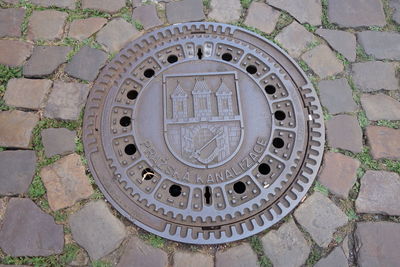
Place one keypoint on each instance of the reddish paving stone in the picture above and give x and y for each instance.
(86, 64)
(27, 93)
(54, 56)
(323, 61)
(96, 229)
(305, 11)
(104, 5)
(344, 132)
(16, 171)
(70, 4)
(116, 34)
(147, 16)
(380, 107)
(184, 259)
(339, 173)
(28, 231)
(337, 96)
(58, 141)
(295, 39)
(239, 256)
(13, 53)
(262, 17)
(10, 22)
(379, 193)
(378, 243)
(139, 254)
(343, 42)
(66, 182)
(356, 13)
(334, 259)
(46, 25)
(286, 246)
(375, 75)
(66, 100)
(81, 29)
(226, 11)
(384, 142)
(381, 45)
(184, 11)
(16, 128)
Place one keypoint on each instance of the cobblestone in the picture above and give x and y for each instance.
(375, 75)
(384, 142)
(262, 17)
(70, 4)
(46, 25)
(342, 41)
(336, 96)
(334, 259)
(183, 259)
(344, 132)
(380, 107)
(239, 256)
(381, 45)
(184, 11)
(323, 61)
(104, 5)
(81, 29)
(10, 22)
(13, 53)
(226, 11)
(147, 15)
(305, 11)
(58, 141)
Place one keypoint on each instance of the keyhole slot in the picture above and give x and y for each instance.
(207, 195)
(199, 53)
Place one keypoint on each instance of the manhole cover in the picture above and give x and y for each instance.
(203, 133)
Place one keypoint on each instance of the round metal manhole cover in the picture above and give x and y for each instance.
(203, 133)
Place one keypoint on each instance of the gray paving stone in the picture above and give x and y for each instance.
(81, 29)
(379, 244)
(70, 4)
(320, 217)
(295, 39)
(104, 5)
(184, 11)
(375, 75)
(344, 132)
(381, 45)
(286, 246)
(184, 259)
(46, 25)
(86, 64)
(16, 128)
(58, 141)
(336, 96)
(27, 93)
(116, 34)
(13, 2)
(379, 193)
(343, 42)
(45, 60)
(323, 61)
(305, 11)
(96, 229)
(334, 259)
(147, 15)
(226, 11)
(139, 254)
(380, 107)
(28, 231)
(356, 13)
(10, 22)
(384, 142)
(13, 53)
(239, 256)
(262, 17)
(66, 100)
(16, 171)
(338, 173)
(395, 4)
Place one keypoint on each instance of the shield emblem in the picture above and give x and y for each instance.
(202, 117)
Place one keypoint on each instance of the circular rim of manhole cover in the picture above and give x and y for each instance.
(203, 133)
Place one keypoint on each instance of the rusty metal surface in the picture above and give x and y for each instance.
(203, 133)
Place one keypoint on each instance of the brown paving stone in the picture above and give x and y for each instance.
(262, 17)
(54, 56)
(381, 45)
(338, 173)
(147, 16)
(305, 11)
(375, 75)
(184, 259)
(379, 193)
(27, 93)
(16, 171)
(13, 53)
(342, 41)
(81, 29)
(16, 128)
(226, 11)
(46, 25)
(28, 231)
(184, 11)
(295, 39)
(344, 132)
(323, 61)
(139, 254)
(334, 259)
(380, 107)
(238, 256)
(384, 142)
(58, 141)
(70, 4)
(104, 5)
(10, 22)
(66, 182)
(337, 96)
(378, 243)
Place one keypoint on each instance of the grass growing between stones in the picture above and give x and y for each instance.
(100, 263)
(389, 124)
(153, 240)
(315, 256)
(245, 3)
(257, 246)
(361, 55)
(318, 187)
(324, 18)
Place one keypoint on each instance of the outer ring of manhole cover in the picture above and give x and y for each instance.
(203, 133)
